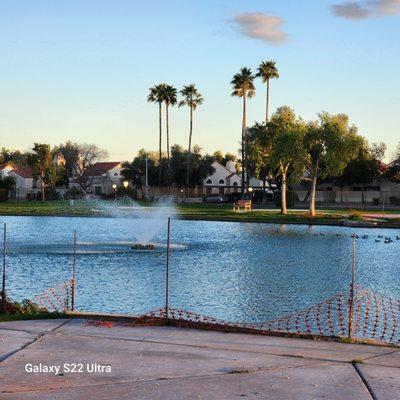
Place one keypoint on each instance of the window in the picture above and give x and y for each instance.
(221, 181)
(235, 184)
(116, 174)
(209, 181)
(98, 190)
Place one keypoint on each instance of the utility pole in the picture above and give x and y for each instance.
(352, 288)
(3, 285)
(73, 275)
(167, 271)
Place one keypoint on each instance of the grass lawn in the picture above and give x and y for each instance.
(191, 211)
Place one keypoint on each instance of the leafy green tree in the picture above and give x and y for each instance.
(243, 86)
(262, 139)
(266, 71)
(259, 144)
(201, 166)
(378, 150)
(15, 157)
(41, 161)
(288, 155)
(393, 172)
(223, 159)
(135, 171)
(70, 152)
(156, 95)
(192, 98)
(331, 145)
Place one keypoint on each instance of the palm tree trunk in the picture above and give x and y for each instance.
(313, 188)
(244, 146)
(283, 192)
(159, 146)
(189, 153)
(168, 159)
(267, 103)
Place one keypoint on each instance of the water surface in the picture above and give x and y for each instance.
(235, 271)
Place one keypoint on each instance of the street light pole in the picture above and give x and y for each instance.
(147, 177)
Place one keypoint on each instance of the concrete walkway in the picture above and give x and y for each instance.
(171, 363)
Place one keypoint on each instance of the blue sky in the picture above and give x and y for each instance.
(81, 69)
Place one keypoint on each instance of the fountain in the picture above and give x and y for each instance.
(147, 221)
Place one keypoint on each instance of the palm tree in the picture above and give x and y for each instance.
(170, 99)
(243, 86)
(191, 98)
(156, 95)
(267, 70)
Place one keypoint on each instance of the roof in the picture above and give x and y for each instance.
(101, 168)
(6, 165)
(25, 173)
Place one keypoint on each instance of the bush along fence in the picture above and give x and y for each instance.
(356, 314)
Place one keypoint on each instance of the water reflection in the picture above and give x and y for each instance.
(249, 272)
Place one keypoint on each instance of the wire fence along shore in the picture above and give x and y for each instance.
(356, 314)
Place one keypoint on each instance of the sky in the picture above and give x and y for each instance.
(80, 69)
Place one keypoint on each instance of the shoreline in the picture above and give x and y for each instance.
(248, 219)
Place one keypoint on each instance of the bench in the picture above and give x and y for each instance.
(242, 204)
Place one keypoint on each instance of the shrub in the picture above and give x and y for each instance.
(25, 307)
(74, 193)
(52, 194)
(395, 201)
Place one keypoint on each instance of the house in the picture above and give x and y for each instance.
(101, 176)
(226, 180)
(25, 184)
(5, 169)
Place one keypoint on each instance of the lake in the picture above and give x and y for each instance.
(235, 271)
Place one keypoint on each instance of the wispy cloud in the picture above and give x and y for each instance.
(362, 9)
(265, 27)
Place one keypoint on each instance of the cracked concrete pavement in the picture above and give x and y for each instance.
(172, 363)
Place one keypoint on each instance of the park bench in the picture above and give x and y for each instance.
(242, 204)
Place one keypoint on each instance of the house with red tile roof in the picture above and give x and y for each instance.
(25, 183)
(99, 178)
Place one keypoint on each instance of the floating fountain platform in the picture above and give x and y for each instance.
(139, 246)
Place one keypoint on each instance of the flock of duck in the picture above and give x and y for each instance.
(380, 238)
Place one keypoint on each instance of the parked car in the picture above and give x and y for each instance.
(214, 199)
(233, 197)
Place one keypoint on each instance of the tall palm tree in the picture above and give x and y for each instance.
(267, 70)
(243, 86)
(156, 95)
(170, 99)
(191, 98)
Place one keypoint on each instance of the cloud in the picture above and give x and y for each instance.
(366, 9)
(261, 26)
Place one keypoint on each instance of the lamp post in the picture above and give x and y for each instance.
(146, 176)
(250, 189)
(114, 186)
(126, 184)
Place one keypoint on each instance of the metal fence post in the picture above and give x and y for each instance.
(167, 271)
(73, 275)
(352, 288)
(3, 284)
